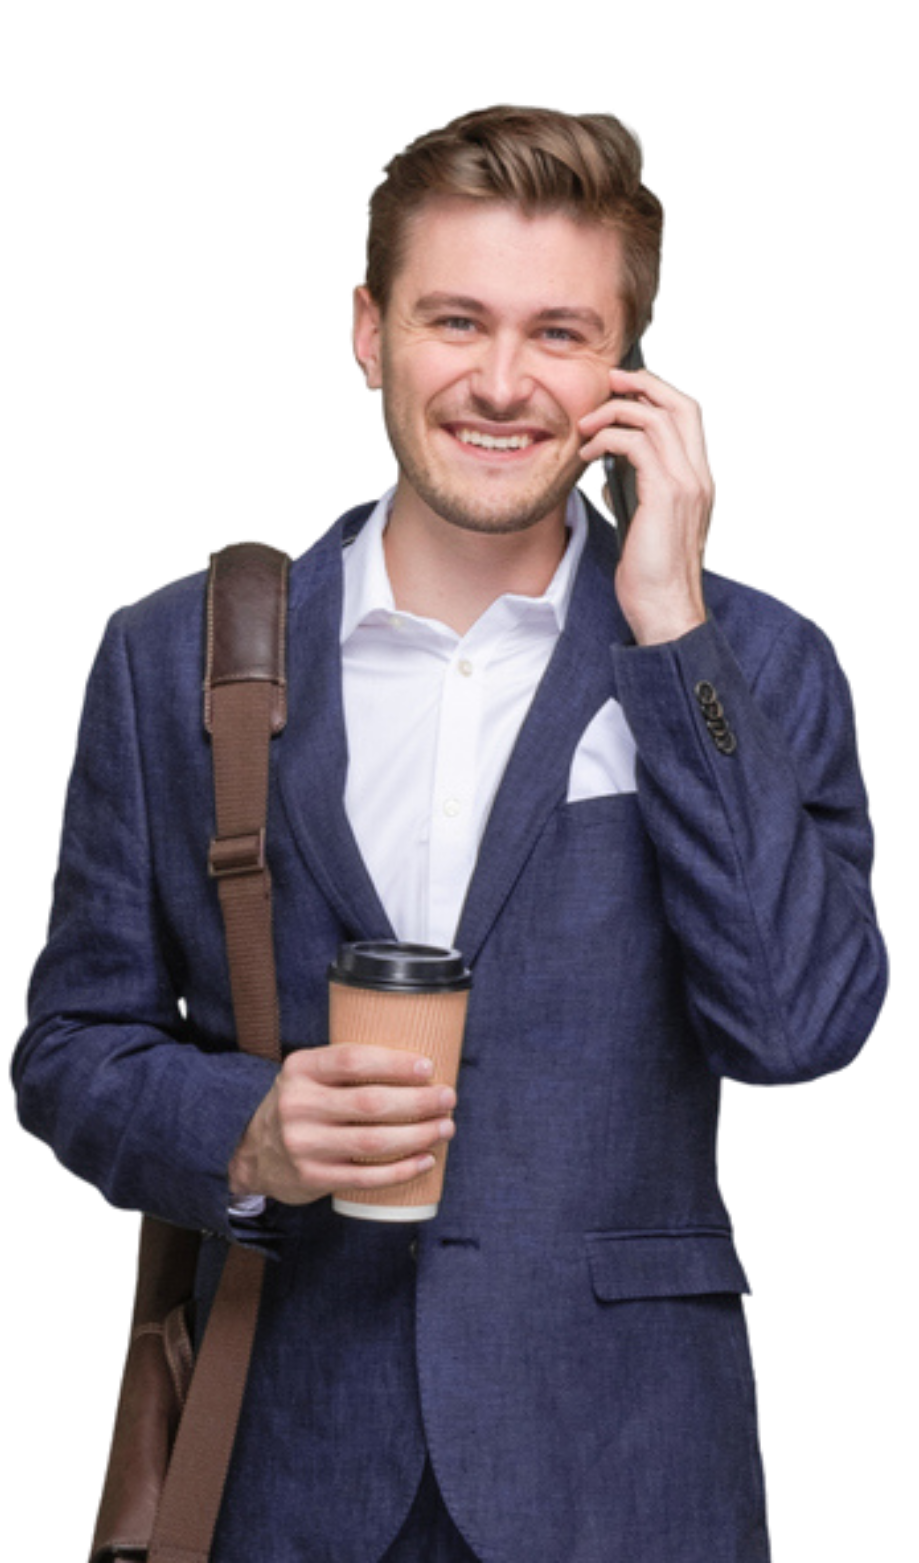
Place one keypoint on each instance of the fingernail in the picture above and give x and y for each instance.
(447, 1098)
(424, 1066)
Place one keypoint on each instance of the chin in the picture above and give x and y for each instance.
(495, 524)
(495, 515)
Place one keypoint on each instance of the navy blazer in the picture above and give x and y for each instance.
(566, 1339)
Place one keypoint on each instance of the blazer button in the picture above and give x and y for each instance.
(715, 719)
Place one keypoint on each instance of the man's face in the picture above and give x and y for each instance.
(498, 336)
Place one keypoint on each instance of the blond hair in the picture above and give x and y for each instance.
(587, 166)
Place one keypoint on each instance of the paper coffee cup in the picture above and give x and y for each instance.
(410, 996)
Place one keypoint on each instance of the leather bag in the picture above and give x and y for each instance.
(176, 1419)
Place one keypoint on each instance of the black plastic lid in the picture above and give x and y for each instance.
(404, 968)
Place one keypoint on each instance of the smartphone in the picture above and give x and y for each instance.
(621, 484)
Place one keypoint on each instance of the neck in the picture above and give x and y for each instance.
(441, 571)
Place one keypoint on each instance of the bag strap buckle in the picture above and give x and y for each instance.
(230, 857)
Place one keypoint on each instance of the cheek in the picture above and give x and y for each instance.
(416, 377)
(580, 386)
(591, 386)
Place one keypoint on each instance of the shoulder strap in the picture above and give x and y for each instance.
(245, 705)
(245, 701)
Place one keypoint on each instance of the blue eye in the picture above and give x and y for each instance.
(469, 325)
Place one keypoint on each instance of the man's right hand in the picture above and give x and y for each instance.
(329, 1109)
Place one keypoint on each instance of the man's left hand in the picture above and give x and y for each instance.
(659, 430)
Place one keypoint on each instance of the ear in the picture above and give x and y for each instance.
(366, 337)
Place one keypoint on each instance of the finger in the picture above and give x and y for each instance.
(314, 1144)
(641, 382)
(373, 1176)
(336, 1158)
(396, 1142)
(375, 1103)
(684, 409)
(349, 1063)
(674, 430)
(642, 387)
(658, 426)
(670, 412)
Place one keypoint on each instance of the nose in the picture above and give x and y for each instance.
(501, 383)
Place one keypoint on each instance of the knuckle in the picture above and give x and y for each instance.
(368, 1142)
(294, 1067)
(342, 1058)
(287, 1108)
(297, 1137)
(369, 1101)
(299, 1085)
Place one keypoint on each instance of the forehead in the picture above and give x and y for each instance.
(493, 251)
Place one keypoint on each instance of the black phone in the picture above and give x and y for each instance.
(621, 483)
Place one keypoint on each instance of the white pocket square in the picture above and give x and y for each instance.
(604, 761)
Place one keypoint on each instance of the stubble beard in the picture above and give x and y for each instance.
(471, 509)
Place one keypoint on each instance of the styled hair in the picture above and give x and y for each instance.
(587, 166)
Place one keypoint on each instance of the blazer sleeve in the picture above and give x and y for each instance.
(108, 1071)
(750, 789)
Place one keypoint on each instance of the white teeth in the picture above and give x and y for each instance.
(492, 442)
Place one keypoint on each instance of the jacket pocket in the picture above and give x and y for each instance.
(679, 1262)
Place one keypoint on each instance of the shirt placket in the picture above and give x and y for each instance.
(453, 832)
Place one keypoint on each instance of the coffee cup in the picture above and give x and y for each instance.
(400, 995)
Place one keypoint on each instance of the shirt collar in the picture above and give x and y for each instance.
(367, 590)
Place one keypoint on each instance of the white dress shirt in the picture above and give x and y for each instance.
(431, 718)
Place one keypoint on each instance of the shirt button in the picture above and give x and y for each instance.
(452, 808)
(395, 623)
(465, 667)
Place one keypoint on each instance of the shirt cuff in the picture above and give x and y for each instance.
(247, 1207)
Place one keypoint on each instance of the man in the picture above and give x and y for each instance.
(626, 790)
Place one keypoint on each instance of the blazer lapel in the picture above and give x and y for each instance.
(313, 754)
(576, 683)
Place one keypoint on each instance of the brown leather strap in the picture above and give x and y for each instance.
(247, 624)
(241, 733)
(245, 704)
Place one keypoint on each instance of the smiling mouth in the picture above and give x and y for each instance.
(480, 439)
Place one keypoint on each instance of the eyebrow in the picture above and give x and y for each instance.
(557, 315)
